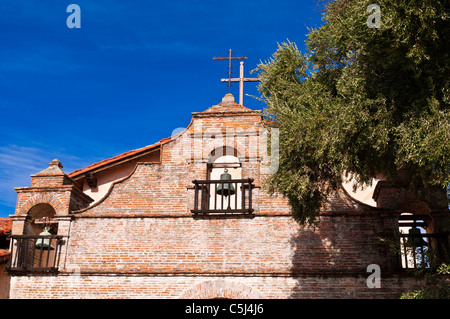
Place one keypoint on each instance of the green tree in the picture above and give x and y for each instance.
(361, 100)
(435, 288)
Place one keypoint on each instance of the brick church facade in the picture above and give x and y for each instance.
(159, 222)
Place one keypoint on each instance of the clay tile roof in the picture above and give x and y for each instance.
(4, 255)
(117, 158)
(5, 226)
(5, 230)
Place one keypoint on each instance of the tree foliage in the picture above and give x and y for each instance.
(361, 100)
(436, 286)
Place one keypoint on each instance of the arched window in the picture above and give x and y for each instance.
(224, 191)
(224, 160)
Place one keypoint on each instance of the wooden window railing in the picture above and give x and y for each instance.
(209, 200)
(25, 257)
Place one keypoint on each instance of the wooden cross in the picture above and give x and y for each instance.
(241, 78)
(241, 81)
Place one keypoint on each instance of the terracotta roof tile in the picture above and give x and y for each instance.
(5, 230)
(5, 226)
(4, 255)
(116, 158)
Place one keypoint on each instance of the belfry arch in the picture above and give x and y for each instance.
(34, 221)
(224, 160)
(224, 157)
(37, 199)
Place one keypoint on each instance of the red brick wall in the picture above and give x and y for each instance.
(141, 240)
(261, 245)
(267, 287)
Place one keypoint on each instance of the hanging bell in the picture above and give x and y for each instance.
(44, 243)
(225, 189)
(415, 239)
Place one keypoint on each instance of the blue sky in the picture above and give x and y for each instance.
(130, 76)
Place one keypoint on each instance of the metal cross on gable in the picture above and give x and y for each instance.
(241, 78)
(229, 58)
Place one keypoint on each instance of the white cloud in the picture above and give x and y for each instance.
(17, 163)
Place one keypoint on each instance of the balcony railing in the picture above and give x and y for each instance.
(25, 257)
(209, 200)
(422, 251)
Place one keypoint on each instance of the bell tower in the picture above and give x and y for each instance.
(52, 195)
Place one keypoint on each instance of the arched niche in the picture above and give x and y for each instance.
(221, 158)
(33, 253)
(34, 223)
(224, 159)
